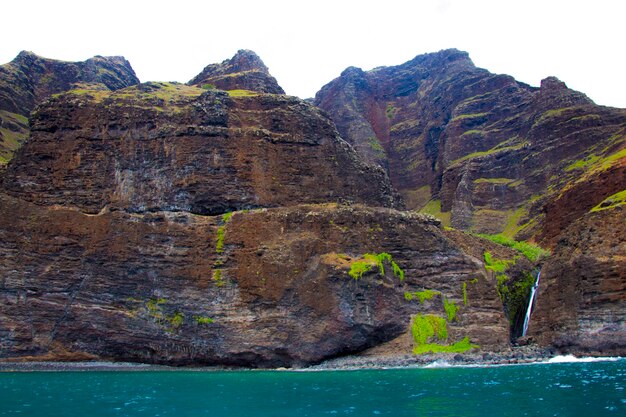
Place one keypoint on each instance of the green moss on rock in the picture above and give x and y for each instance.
(371, 260)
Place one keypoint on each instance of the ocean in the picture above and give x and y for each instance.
(562, 388)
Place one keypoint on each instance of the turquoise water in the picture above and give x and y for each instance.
(563, 389)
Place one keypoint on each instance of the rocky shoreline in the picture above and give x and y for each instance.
(517, 355)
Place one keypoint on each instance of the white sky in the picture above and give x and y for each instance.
(308, 43)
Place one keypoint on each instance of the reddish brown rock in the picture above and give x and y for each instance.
(158, 287)
(581, 304)
(490, 151)
(112, 250)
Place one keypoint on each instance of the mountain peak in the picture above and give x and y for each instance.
(245, 71)
(246, 60)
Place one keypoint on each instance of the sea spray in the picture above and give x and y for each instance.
(531, 300)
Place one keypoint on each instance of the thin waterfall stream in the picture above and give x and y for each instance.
(531, 300)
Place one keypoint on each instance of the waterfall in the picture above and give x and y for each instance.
(533, 294)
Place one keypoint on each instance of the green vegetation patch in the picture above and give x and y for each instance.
(428, 327)
(512, 226)
(583, 163)
(371, 260)
(494, 180)
(613, 201)
(473, 132)
(515, 297)
(468, 116)
(450, 308)
(217, 278)
(155, 311)
(176, 320)
(242, 93)
(203, 320)
(427, 330)
(497, 265)
(529, 250)
(221, 232)
(461, 346)
(219, 243)
(550, 114)
(495, 149)
(421, 295)
(433, 207)
(376, 146)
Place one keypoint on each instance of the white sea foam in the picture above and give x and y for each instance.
(439, 364)
(572, 358)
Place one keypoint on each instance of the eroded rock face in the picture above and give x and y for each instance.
(581, 304)
(244, 71)
(118, 239)
(158, 287)
(116, 246)
(481, 149)
(29, 79)
(163, 146)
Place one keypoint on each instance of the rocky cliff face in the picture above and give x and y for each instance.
(29, 79)
(480, 150)
(162, 146)
(186, 224)
(488, 154)
(169, 223)
(262, 288)
(580, 305)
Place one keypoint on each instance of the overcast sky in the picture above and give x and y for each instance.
(308, 43)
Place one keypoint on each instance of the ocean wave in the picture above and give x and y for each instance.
(572, 358)
(439, 364)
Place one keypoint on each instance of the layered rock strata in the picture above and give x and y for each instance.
(482, 151)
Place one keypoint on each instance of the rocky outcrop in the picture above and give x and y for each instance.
(244, 71)
(480, 150)
(29, 79)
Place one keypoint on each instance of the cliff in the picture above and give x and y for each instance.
(481, 151)
(582, 295)
(171, 223)
(221, 222)
(488, 154)
(30, 79)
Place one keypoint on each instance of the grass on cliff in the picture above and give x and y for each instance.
(428, 330)
(433, 207)
(371, 260)
(421, 295)
(242, 93)
(514, 296)
(501, 147)
(611, 202)
(530, 251)
(221, 233)
(468, 116)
